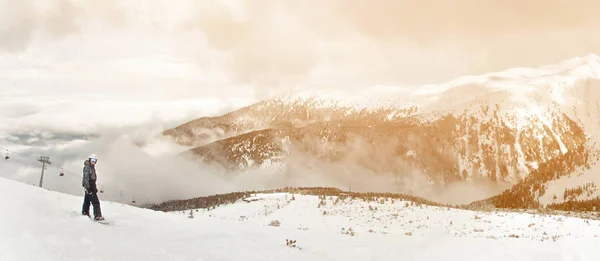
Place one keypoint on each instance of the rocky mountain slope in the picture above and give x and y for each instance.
(522, 126)
(287, 112)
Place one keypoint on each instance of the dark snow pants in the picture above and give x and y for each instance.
(91, 198)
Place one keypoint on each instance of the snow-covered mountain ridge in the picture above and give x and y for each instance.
(498, 126)
(37, 224)
(566, 83)
(281, 112)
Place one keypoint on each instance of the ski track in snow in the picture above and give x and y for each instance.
(37, 224)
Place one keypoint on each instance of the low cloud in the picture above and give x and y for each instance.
(33, 116)
(71, 128)
(357, 165)
(155, 173)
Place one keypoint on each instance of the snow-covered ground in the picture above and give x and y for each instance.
(37, 224)
(399, 218)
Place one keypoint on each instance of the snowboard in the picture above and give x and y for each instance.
(103, 222)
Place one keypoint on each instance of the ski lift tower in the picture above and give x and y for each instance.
(44, 160)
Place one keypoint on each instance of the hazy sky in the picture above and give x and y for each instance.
(98, 67)
(189, 48)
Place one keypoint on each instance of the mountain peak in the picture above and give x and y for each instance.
(581, 67)
(367, 98)
(593, 58)
(515, 80)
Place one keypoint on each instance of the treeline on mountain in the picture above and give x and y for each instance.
(571, 203)
(229, 198)
(573, 193)
(525, 194)
(577, 205)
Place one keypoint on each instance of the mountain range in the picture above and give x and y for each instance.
(536, 129)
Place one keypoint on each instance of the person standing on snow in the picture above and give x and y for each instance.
(89, 183)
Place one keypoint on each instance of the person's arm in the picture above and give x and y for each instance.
(86, 179)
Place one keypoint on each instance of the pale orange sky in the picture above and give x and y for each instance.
(270, 45)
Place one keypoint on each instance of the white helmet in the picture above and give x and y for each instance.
(93, 156)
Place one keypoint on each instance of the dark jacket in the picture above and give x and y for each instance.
(89, 177)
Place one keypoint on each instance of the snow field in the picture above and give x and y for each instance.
(396, 218)
(37, 224)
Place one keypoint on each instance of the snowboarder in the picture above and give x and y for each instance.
(89, 183)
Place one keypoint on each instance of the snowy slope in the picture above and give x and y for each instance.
(555, 79)
(524, 95)
(37, 224)
(397, 218)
